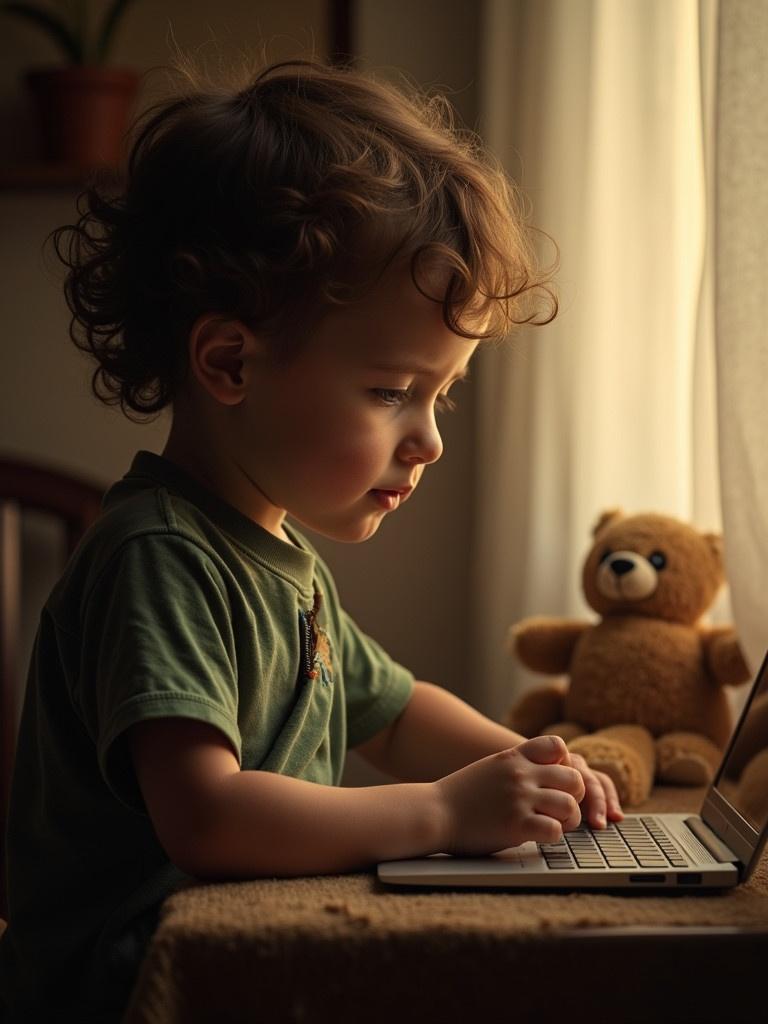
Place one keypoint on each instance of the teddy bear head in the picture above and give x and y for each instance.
(652, 565)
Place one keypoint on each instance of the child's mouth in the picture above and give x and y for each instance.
(389, 500)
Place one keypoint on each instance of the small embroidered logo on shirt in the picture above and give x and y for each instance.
(316, 645)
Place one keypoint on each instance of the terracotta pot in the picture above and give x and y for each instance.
(84, 112)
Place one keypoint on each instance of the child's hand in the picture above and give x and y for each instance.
(530, 791)
(601, 800)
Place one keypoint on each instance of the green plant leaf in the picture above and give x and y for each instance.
(59, 31)
(109, 27)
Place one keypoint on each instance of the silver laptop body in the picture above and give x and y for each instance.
(717, 848)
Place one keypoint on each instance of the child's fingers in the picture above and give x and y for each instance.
(595, 804)
(563, 777)
(560, 806)
(594, 800)
(542, 828)
(601, 800)
(544, 749)
(615, 813)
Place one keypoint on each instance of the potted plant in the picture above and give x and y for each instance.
(83, 105)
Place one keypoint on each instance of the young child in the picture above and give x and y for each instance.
(302, 268)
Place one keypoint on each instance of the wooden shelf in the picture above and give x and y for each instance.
(39, 175)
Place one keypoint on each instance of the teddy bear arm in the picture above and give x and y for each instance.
(567, 731)
(724, 658)
(546, 644)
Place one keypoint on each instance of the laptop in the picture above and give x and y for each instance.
(715, 849)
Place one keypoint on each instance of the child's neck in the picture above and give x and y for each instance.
(220, 475)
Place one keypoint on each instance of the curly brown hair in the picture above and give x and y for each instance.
(274, 201)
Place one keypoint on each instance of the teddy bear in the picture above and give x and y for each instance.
(644, 700)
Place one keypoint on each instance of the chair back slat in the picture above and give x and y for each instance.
(74, 503)
(10, 628)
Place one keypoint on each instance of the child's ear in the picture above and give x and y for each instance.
(220, 354)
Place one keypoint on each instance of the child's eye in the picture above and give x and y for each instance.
(392, 396)
(396, 396)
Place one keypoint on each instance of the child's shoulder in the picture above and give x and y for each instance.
(143, 523)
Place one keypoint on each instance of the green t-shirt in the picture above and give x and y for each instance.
(174, 604)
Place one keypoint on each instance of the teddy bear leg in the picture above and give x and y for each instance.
(686, 759)
(626, 754)
(565, 730)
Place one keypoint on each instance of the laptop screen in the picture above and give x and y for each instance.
(743, 776)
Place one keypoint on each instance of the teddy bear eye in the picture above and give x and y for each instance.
(658, 560)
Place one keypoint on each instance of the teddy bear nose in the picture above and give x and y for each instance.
(621, 566)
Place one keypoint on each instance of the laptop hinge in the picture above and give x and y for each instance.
(705, 834)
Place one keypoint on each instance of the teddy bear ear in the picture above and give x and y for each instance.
(611, 515)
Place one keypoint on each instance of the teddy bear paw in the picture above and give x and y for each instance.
(686, 770)
(685, 759)
(622, 776)
(625, 766)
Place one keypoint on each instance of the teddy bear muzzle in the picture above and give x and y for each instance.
(626, 575)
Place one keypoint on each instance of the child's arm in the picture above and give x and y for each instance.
(215, 820)
(438, 733)
(435, 734)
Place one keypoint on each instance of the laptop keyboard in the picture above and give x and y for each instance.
(634, 842)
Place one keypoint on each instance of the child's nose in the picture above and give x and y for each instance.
(422, 445)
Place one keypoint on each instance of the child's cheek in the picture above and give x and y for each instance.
(356, 460)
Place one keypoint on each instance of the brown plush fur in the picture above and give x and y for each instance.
(648, 666)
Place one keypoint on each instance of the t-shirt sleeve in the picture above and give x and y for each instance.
(377, 688)
(157, 643)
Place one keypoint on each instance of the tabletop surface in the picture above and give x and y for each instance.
(258, 929)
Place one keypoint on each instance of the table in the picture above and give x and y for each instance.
(345, 948)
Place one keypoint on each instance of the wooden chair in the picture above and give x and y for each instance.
(72, 503)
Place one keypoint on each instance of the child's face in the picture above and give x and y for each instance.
(339, 435)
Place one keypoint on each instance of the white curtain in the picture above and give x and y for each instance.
(741, 230)
(603, 110)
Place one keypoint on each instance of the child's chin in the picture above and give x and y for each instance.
(356, 535)
(348, 533)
